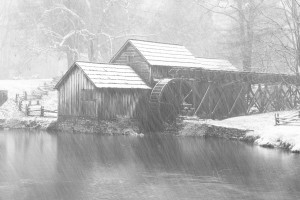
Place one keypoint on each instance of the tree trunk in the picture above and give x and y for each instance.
(93, 51)
(246, 33)
(71, 58)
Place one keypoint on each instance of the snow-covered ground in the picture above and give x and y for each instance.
(19, 86)
(263, 127)
(9, 110)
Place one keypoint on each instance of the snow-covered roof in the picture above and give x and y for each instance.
(109, 76)
(216, 64)
(174, 55)
(161, 54)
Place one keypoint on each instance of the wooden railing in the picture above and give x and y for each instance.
(30, 105)
(288, 119)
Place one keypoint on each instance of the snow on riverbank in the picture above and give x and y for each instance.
(262, 127)
(19, 86)
(287, 137)
(11, 117)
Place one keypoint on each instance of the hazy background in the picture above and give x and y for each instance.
(41, 38)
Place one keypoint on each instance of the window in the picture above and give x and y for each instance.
(87, 95)
(129, 58)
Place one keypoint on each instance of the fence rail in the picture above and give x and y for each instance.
(288, 119)
(30, 105)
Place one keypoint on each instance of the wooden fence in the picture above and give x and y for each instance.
(288, 119)
(30, 105)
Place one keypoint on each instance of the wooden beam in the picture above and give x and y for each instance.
(236, 100)
(202, 101)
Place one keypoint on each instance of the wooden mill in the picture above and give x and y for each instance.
(209, 88)
(156, 82)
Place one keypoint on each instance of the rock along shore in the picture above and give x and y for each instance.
(257, 129)
(120, 126)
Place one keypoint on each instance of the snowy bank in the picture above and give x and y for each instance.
(12, 118)
(286, 137)
(259, 129)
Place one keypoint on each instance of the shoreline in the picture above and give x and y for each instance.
(120, 126)
(253, 129)
(242, 128)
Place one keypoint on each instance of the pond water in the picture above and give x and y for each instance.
(39, 165)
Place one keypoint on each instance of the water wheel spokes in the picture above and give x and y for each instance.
(168, 96)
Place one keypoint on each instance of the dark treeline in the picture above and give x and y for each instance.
(45, 36)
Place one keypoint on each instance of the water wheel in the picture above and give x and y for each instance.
(169, 97)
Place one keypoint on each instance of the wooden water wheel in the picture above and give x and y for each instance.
(169, 97)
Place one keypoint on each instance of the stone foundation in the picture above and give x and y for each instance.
(119, 126)
(196, 128)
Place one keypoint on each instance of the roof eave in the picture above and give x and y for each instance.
(120, 50)
(64, 76)
(148, 88)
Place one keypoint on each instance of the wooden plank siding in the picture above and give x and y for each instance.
(112, 103)
(160, 72)
(78, 97)
(136, 62)
(70, 102)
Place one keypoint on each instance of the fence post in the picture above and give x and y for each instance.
(20, 105)
(42, 111)
(276, 119)
(17, 96)
(29, 103)
(25, 95)
(27, 110)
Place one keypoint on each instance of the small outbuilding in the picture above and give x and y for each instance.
(100, 91)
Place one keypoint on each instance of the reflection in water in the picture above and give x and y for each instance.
(78, 166)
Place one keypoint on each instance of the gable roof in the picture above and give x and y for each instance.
(174, 55)
(108, 76)
(162, 54)
(216, 64)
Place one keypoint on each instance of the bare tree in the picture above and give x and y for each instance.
(284, 19)
(242, 18)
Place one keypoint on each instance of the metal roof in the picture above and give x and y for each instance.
(216, 64)
(109, 76)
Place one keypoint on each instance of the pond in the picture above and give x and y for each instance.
(39, 165)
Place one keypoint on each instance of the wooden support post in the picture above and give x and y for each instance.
(276, 119)
(42, 111)
(210, 102)
(202, 101)
(194, 93)
(20, 105)
(236, 100)
(27, 110)
(215, 109)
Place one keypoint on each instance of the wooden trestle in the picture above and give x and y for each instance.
(222, 94)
